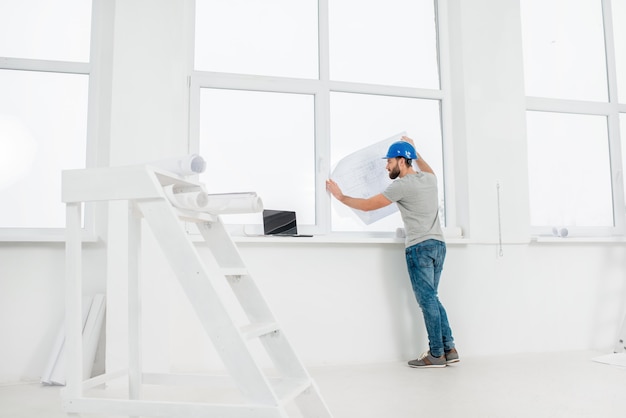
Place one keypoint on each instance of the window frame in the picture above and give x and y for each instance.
(611, 110)
(321, 89)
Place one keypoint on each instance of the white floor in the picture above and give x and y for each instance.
(526, 385)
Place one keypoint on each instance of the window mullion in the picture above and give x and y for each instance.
(322, 161)
(382, 90)
(443, 48)
(613, 119)
(255, 82)
(568, 106)
(322, 122)
(609, 42)
(617, 177)
(26, 64)
(323, 40)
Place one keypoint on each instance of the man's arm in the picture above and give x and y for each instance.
(421, 164)
(375, 202)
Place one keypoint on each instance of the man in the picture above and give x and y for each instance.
(415, 193)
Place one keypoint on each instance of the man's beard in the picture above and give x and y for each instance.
(393, 174)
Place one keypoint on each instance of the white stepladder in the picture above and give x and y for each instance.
(202, 279)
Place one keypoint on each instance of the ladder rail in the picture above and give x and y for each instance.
(222, 246)
(196, 279)
(253, 302)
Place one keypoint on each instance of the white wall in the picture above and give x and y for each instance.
(339, 303)
(32, 303)
(353, 303)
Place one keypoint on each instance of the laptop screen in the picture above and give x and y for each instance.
(279, 222)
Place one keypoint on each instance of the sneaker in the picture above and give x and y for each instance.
(452, 356)
(427, 361)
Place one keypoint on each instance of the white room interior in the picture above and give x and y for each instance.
(343, 301)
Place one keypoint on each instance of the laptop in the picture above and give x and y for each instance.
(281, 223)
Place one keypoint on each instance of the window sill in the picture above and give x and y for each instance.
(338, 238)
(41, 235)
(578, 240)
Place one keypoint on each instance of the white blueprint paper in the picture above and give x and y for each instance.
(186, 165)
(362, 174)
(217, 204)
(614, 359)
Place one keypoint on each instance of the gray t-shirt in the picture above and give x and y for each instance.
(417, 198)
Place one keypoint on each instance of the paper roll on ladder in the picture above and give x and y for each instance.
(216, 204)
(187, 165)
(196, 201)
(233, 203)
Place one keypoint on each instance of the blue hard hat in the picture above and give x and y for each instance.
(401, 149)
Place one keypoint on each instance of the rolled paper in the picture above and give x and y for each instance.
(196, 201)
(184, 166)
(231, 203)
(217, 204)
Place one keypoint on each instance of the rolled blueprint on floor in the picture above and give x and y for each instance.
(184, 166)
(196, 201)
(233, 203)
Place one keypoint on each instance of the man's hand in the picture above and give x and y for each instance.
(409, 140)
(421, 164)
(334, 189)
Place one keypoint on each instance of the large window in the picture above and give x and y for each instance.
(44, 78)
(283, 90)
(392, 44)
(43, 117)
(358, 120)
(273, 38)
(276, 142)
(573, 66)
(563, 190)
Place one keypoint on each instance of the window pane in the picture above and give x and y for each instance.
(260, 142)
(43, 119)
(48, 30)
(564, 55)
(619, 36)
(270, 37)
(359, 120)
(569, 170)
(394, 44)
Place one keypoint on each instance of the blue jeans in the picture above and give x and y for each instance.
(425, 262)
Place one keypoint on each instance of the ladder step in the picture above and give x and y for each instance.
(256, 330)
(289, 388)
(196, 217)
(234, 271)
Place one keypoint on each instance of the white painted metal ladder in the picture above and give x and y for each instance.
(202, 279)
